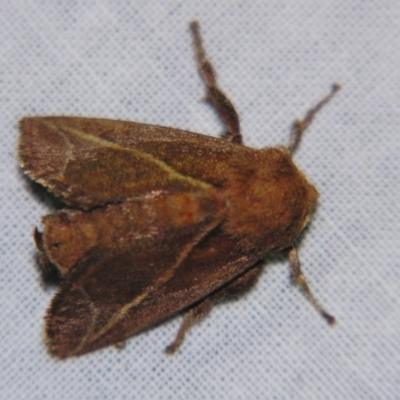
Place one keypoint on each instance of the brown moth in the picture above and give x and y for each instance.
(159, 220)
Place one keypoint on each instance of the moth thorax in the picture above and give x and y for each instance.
(271, 201)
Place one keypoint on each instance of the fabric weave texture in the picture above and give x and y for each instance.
(134, 61)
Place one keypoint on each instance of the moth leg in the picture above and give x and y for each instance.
(299, 126)
(297, 278)
(120, 345)
(223, 106)
(202, 308)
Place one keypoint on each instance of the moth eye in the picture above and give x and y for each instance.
(56, 245)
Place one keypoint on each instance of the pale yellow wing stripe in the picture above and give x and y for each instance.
(162, 280)
(137, 153)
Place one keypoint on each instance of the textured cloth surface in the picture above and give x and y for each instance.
(275, 59)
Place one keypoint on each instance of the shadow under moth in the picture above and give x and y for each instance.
(159, 220)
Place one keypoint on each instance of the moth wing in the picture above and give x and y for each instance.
(115, 293)
(90, 162)
(86, 170)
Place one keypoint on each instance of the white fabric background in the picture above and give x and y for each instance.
(134, 60)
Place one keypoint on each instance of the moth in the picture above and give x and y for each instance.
(159, 220)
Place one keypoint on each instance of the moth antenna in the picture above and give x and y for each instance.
(299, 126)
(297, 277)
